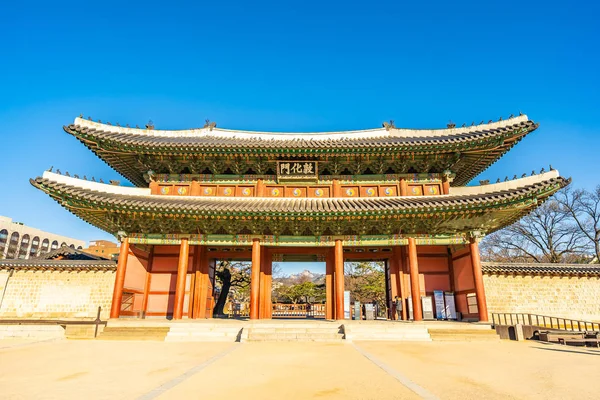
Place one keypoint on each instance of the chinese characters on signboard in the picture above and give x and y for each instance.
(297, 169)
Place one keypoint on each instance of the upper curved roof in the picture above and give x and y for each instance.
(122, 147)
(227, 138)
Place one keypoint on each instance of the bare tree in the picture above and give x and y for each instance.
(584, 209)
(547, 234)
(231, 276)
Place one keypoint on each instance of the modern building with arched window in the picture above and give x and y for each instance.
(19, 241)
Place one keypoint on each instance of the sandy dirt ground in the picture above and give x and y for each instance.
(90, 369)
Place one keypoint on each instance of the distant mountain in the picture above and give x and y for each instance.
(300, 277)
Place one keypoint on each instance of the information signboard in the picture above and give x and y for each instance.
(472, 303)
(357, 310)
(410, 309)
(369, 311)
(346, 304)
(427, 302)
(450, 305)
(440, 307)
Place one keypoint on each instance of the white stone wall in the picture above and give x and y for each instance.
(56, 294)
(574, 297)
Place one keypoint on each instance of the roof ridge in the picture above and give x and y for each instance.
(386, 130)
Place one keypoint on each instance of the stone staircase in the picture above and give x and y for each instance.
(295, 332)
(386, 331)
(205, 332)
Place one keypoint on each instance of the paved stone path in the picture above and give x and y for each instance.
(90, 370)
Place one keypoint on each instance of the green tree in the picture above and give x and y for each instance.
(305, 292)
(366, 282)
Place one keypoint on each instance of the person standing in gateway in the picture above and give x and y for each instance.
(398, 304)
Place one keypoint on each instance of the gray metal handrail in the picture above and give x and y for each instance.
(544, 321)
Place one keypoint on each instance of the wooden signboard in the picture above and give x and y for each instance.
(292, 170)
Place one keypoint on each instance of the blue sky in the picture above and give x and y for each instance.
(290, 66)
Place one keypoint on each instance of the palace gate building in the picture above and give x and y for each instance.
(207, 194)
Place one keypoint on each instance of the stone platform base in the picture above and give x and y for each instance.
(31, 331)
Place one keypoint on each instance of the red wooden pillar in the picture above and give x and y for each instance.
(202, 276)
(339, 279)
(403, 187)
(193, 309)
(148, 280)
(397, 280)
(260, 188)
(445, 185)
(401, 284)
(195, 189)
(255, 280)
(266, 282)
(184, 253)
(394, 269)
(329, 282)
(154, 187)
(478, 277)
(115, 309)
(413, 264)
(336, 188)
(262, 311)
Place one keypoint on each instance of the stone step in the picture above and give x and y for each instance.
(378, 329)
(308, 337)
(205, 329)
(203, 333)
(465, 338)
(32, 331)
(132, 338)
(293, 326)
(140, 329)
(391, 332)
(130, 333)
(293, 330)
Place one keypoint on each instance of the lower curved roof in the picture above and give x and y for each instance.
(135, 210)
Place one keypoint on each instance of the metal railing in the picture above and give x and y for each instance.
(545, 321)
(298, 310)
(280, 310)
